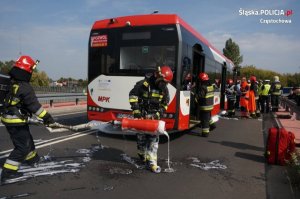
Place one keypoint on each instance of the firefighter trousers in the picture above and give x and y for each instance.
(24, 148)
(231, 107)
(275, 102)
(205, 117)
(147, 146)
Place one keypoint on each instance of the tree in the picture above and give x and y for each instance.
(39, 79)
(232, 51)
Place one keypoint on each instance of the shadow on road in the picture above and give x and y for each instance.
(239, 145)
(249, 156)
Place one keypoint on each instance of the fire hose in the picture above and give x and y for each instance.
(147, 126)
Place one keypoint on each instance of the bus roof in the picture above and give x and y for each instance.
(156, 19)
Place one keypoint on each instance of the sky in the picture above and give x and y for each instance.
(57, 32)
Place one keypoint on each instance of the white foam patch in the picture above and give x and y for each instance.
(207, 165)
(16, 196)
(132, 161)
(47, 169)
(117, 170)
(228, 118)
(86, 159)
(83, 151)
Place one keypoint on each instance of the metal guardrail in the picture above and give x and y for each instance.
(290, 106)
(61, 98)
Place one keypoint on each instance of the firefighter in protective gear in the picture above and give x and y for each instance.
(231, 96)
(265, 97)
(275, 92)
(20, 103)
(205, 99)
(149, 99)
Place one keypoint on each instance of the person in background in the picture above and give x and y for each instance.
(265, 97)
(149, 100)
(188, 84)
(258, 103)
(275, 92)
(253, 95)
(238, 94)
(244, 99)
(20, 103)
(230, 92)
(217, 85)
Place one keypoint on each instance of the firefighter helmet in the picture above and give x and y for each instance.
(229, 81)
(166, 73)
(252, 78)
(203, 77)
(25, 63)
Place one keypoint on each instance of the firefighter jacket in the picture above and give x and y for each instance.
(20, 103)
(206, 97)
(265, 89)
(149, 97)
(275, 88)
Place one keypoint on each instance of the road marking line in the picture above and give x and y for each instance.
(41, 145)
(66, 139)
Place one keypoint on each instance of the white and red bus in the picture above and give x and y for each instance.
(123, 49)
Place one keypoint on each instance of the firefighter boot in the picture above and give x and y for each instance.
(151, 164)
(151, 155)
(32, 158)
(205, 132)
(212, 125)
(7, 174)
(155, 168)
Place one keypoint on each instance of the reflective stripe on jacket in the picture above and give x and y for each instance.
(147, 98)
(206, 98)
(275, 88)
(265, 89)
(20, 103)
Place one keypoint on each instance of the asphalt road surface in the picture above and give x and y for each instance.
(228, 164)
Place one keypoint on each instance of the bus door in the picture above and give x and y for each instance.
(197, 67)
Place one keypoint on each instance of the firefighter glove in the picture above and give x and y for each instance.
(156, 116)
(137, 114)
(48, 119)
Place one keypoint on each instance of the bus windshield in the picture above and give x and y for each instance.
(132, 51)
(146, 57)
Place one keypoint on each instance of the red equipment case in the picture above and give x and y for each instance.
(280, 146)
